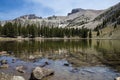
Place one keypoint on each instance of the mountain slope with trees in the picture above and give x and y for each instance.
(110, 25)
(32, 31)
(81, 23)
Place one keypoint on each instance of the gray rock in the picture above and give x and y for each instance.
(39, 73)
(74, 70)
(4, 66)
(66, 64)
(4, 76)
(3, 62)
(20, 69)
(44, 64)
(31, 57)
(17, 78)
(13, 60)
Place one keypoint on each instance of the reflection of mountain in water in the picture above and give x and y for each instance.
(77, 52)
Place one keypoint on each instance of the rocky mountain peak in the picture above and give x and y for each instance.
(29, 16)
(76, 10)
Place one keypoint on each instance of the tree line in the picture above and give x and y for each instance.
(14, 29)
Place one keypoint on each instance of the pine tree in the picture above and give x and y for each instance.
(90, 34)
(98, 33)
(115, 26)
(24, 32)
(9, 30)
(84, 33)
(19, 29)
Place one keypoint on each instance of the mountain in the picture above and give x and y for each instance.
(110, 22)
(51, 21)
(77, 16)
(30, 16)
(110, 16)
(93, 18)
(81, 16)
(107, 21)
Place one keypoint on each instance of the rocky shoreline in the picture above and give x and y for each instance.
(12, 68)
(37, 73)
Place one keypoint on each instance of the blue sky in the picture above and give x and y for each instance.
(10, 9)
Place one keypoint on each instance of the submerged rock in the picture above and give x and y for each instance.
(3, 62)
(20, 69)
(4, 66)
(44, 64)
(66, 64)
(17, 78)
(74, 70)
(38, 73)
(13, 60)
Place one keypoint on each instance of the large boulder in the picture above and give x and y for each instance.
(38, 73)
(17, 78)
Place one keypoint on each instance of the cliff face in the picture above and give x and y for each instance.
(82, 16)
(75, 11)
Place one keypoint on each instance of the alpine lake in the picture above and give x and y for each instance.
(89, 59)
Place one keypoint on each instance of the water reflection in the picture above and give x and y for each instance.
(77, 52)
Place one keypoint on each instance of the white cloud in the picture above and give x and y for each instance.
(46, 8)
(62, 7)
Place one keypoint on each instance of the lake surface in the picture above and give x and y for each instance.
(87, 59)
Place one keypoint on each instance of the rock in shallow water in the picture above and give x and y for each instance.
(4, 66)
(20, 69)
(39, 73)
(66, 64)
(74, 70)
(31, 57)
(13, 60)
(3, 62)
(17, 78)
